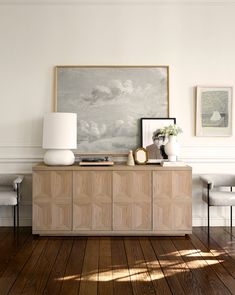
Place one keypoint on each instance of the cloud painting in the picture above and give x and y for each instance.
(109, 101)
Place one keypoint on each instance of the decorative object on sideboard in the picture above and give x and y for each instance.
(109, 100)
(214, 111)
(130, 159)
(141, 156)
(96, 161)
(173, 164)
(172, 146)
(59, 137)
(151, 137)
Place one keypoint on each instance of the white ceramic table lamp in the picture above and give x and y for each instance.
(59, 136)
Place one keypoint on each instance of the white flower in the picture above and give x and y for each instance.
(171, 130)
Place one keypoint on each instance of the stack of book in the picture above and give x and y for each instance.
(173, 164)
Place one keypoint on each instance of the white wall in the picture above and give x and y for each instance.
(195, 39)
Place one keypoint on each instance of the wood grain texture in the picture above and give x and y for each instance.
(121, 274)
(90, 273)
(73, 269)
(154, 268)
(28, 268)
(172, 201)
(117, 166)
(52, 200)
(216, 262)
(77, 201)
(132, 200)
(140, 278)
(171, 266)
(92, 200)
(118, 265)
(37, 279)
(199, 268)
(105, 285)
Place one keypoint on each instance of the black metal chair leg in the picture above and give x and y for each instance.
(14, 217)
(231, 218)
(18, 217)
(208, 211)
(208, 220)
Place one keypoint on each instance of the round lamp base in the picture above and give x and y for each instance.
(59, 157)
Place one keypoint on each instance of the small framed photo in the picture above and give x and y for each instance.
(151, 139)
(214, 111)
(141, 156)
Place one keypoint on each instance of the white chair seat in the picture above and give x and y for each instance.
(8, 198)
(220, 198)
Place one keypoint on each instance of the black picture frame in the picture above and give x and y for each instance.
(148, 126)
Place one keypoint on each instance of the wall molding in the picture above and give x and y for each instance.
(21, 160)
(117, 2)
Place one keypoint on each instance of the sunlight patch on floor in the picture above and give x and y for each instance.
(153, 270)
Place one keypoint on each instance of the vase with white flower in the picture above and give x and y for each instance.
(172, 147)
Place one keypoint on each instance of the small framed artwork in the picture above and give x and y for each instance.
(214, 111)
(141, 156)
(151, 138)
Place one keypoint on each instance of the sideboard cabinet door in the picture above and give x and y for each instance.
(131, 200)
(92, 200)
(52, 200)
(172, 201)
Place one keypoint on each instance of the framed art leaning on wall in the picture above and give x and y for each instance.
(214, 111)
(152, 139)
(109, 102)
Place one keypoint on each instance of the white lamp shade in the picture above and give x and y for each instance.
(60, 131)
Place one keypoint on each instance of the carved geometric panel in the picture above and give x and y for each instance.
(52, 200)
(92, 200)
(172, 200)
(162, 215)
(141, 217)
(42, 217)
(132, 200)
(101, 216)
(129, 186)
(61, 184)
(182, 212)
(181, 184)
(42, 184)
(61, 212)
(162, 184)
(122, 216)
(82, 216)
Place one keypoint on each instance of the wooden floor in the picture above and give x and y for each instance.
(106, 266)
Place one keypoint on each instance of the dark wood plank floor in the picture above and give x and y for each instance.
(118, 265)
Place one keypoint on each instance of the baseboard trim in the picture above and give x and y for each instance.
(27, 221)
(213, 221)
(8, 221)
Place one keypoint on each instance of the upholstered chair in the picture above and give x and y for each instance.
(218, 191)
(10, 193)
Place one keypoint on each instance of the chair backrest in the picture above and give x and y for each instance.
(217, 180)
(7, 179)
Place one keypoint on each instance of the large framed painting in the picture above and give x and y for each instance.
(214, 111)
(152, 139)
(109, 102)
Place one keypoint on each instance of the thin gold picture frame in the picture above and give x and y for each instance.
(111, 67)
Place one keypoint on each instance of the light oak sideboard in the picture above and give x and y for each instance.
(116, 200)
